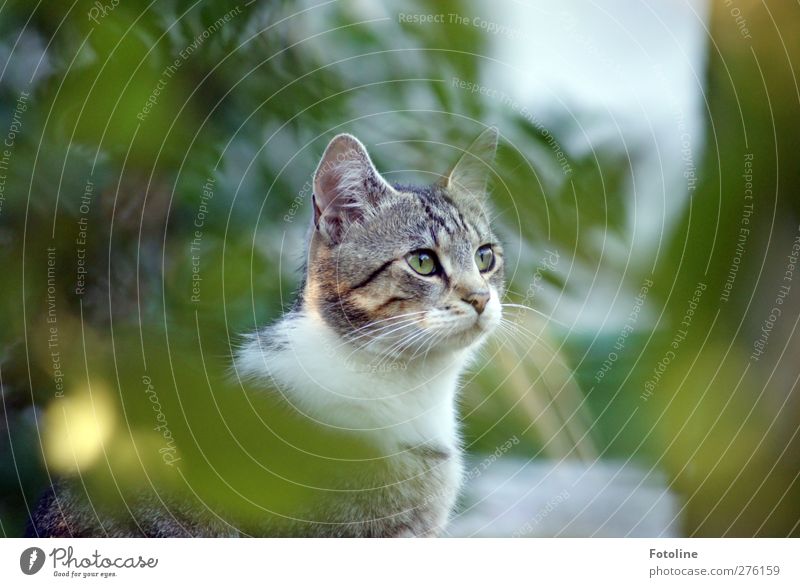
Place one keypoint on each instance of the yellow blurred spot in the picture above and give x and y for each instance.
(76, 427)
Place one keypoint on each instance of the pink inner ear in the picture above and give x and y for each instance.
(330, 186)
(335, 207)
(346, 184)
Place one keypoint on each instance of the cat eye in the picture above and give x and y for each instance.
(484, 258)
(423, 261)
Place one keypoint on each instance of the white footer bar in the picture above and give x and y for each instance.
(478, 561)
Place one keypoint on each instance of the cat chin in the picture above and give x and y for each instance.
(465, 339)
(446, 349)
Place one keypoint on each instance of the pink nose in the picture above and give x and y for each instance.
(478, 300)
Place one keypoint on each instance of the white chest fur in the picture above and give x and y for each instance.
(395, 403)
(408, 410)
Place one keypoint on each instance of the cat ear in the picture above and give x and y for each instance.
(470, 174)
(346, 186)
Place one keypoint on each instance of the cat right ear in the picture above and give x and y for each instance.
(346, 186)
(470, 174)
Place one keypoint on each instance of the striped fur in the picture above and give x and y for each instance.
(372, 351)
(376, 349)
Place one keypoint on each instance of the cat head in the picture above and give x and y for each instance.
(404, 270)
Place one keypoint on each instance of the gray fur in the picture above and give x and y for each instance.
(357, 277)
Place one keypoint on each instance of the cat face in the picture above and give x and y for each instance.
(404, 271)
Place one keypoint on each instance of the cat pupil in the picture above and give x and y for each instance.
(367, 361)
(485, 258)
(423, 262)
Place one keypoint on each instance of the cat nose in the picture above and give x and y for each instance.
(478, 300)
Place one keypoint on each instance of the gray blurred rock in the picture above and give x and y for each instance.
(568, 498)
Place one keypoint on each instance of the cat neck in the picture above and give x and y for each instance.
(396, 403)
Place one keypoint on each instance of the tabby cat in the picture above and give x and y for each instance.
(402, 285)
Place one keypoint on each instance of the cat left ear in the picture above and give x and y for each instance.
(346, 186)
(471, 173)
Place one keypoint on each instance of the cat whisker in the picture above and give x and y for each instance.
(393, 351)
(382, 320)
(514, 292)
(434, 341)
(382, 337)
(378, 339)
(389, 318)
(379, 332)
(433, 336)
(535, 311)
(518, 332)
(412, 341)
(522, 335)
(369, 330)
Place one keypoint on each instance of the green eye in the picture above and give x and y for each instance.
(423, 262)
(484, 258)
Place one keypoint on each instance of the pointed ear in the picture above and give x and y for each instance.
(346, 186)
(470, 174)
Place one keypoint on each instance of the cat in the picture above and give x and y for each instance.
(402, 285)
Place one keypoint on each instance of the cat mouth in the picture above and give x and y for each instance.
(469, 331)
(448, 334)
